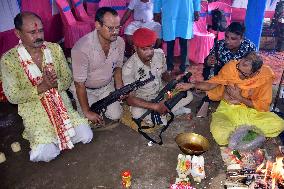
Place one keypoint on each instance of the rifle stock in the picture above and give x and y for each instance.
(101, 105)
(173, 101)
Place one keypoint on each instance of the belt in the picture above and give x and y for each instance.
(93, 88)
(96, 87)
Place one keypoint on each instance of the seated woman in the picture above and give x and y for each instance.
(233, 47)
(245, 90)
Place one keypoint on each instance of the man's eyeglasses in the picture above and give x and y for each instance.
(244, 74)
(112, 29)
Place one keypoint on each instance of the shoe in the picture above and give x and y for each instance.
(181, 111)
(203, 111)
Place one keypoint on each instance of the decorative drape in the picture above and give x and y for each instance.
(54, 7)
(8, 10)
(270, 4)
(40, 7)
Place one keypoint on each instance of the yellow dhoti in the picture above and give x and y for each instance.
(228, 118)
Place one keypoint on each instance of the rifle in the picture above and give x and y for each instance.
(101, 105)
(170, 103)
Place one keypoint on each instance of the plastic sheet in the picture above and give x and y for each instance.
(240, 139)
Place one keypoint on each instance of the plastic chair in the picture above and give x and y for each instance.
(204, 6)
(81, 13)
(238, 14)
(41, 8)
(50, 22)
(203, 41)
(92, 7)
(73, 30)
(229, 2)
(8, 40)
(118, 5)
(221, 6)
(176, 49)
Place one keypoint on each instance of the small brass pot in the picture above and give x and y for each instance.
(192, 143)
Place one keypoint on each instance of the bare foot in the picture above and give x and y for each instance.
(203, 111)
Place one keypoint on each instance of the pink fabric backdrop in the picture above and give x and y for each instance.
(229, 2)
(92, 7)
(8, 40)
(73, 30)
(41, 8)
(118, 5)
(112, 3)
(52, 24)
(176, 49)
(202, 42)
(53, 30)
(227, 10)
(81, 13)
(239, 14)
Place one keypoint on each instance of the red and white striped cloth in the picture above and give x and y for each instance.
(51, 99)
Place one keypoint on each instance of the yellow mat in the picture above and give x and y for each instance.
(127, 120)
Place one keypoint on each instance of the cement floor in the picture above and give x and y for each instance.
(98, 165)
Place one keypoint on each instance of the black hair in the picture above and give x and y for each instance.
(256, 61)
(18, 20)
(102, 11)
(236, 28)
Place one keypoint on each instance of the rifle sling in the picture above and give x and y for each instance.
(160, 96)
(138, 122)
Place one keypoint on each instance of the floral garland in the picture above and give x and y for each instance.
(51, 99)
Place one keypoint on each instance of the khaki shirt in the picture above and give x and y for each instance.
(89, 63)
(135, 69)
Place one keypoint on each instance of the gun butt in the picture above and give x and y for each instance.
(186, 77)
(173, 101)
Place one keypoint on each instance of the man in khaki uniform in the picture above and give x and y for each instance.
(145, 60)
(97, 59)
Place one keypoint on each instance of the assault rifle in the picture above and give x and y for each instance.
(101, 105)
(170, 103)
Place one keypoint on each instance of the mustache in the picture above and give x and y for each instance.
(38, 40)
